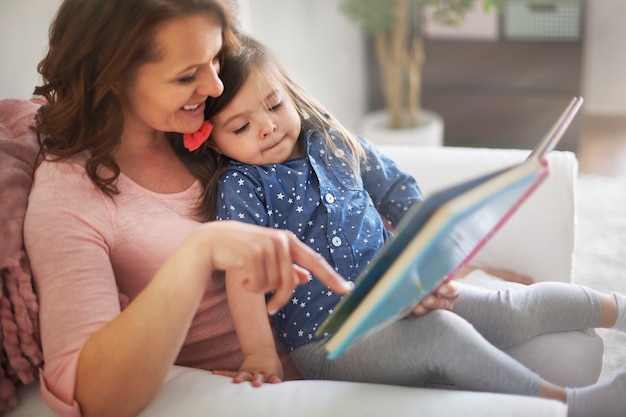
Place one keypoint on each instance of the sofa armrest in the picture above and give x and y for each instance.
(539, 239)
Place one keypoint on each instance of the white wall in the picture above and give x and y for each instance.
(23, 40)
(604, 70)
(322, 49)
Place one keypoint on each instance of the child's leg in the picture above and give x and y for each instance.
(508, 317)
(411, 351)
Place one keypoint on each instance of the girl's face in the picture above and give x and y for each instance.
(260, 125)
(168, 95)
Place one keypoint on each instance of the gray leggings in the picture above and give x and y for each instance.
(463, 346)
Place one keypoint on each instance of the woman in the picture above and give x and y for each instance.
(114, 218)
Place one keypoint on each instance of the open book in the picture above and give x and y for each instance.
(435, 240)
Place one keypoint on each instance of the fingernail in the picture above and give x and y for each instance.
(272, 312)
(443, 289)
(419, 309)
(429, 301)
(349, 285)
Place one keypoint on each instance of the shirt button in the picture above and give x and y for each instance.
(329, 198)
(336, 241)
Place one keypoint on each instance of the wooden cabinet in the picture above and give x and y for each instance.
(501, 93)
(498, 94)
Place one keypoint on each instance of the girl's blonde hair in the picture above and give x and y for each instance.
(255, 56)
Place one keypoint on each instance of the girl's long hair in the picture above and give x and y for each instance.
(92, 45)
(251, 56)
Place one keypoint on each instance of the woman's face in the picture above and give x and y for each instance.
(260, 125)
(168, 95)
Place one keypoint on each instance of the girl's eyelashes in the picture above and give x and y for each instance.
(276, 107)
(242, 129)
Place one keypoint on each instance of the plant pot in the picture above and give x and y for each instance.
(429, 132)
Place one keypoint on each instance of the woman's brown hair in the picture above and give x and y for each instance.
(93, 44)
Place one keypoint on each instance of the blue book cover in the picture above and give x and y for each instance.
(434, 241)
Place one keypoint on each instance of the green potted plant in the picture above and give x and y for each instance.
(395, 30)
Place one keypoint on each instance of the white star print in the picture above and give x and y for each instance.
(297, 182)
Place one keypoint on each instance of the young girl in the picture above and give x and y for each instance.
(285, 163)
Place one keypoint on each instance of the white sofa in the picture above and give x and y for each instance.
(538, 241)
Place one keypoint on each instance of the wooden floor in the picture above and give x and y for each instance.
(602, 146)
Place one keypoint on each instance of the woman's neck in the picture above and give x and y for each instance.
(154, 165)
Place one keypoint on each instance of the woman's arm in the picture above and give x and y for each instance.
(108, 362)
(122, 365)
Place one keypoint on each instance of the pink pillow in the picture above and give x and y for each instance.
(20, 354)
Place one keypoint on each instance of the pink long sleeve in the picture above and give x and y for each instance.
(84, 246)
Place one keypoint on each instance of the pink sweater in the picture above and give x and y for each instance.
(84, 247)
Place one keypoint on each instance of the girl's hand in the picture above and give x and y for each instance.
(258, 369)
(265, 258)
(442, 298)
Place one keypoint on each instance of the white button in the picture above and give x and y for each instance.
(330, 198)
(336, 241)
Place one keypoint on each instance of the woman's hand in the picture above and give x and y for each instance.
(441, 299)
(268, 260)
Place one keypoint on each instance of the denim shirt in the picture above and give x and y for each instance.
(335, 212)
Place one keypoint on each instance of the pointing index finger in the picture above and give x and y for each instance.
(314, 263)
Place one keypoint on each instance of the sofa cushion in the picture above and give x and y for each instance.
(196, 393)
